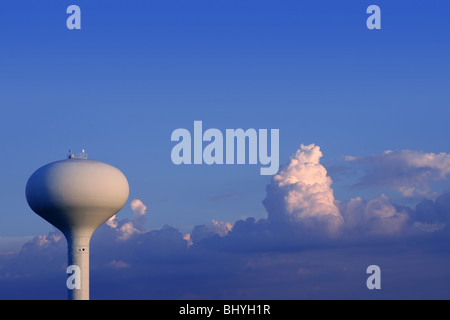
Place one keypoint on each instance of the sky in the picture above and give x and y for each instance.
(363, 146)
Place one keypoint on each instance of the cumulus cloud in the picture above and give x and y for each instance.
(407, 171)
(219, 228)
(127, 229)
(187, 238)
(139, 214)
(42, 256)
(301, 193)
(377, 216)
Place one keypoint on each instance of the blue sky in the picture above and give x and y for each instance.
(137, 70)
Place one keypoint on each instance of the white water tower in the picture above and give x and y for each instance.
(77, 195)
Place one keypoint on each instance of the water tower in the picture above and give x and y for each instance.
(77, 195)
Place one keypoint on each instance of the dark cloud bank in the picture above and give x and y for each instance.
(310, 246)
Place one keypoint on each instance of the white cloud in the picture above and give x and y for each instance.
(301, 193)
(112, 222)
(188, 239)
(44, 240)
(406, 171)
(221, 228)
(139, 214)
(126, 228)
(200, 232)
(139, 209)
(377, 216)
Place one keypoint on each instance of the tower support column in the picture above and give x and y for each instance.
(78, 256)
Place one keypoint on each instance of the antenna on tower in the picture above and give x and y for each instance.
(82, 155)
